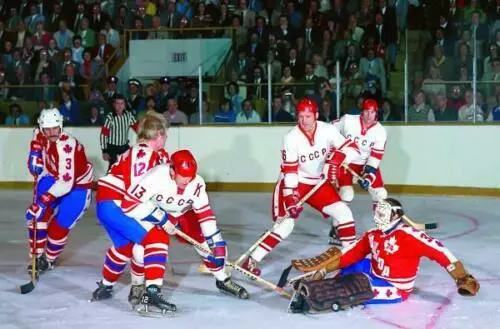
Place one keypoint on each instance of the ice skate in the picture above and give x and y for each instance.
(251, 266)
(135, 294)
(42, 265)
(333, 239)
(102, 292)
(232, 288)
(154, 304)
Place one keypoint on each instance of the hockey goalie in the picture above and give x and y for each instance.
(381, 267)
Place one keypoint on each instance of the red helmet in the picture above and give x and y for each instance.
(307, 105)
(370, 105)
(183, 163)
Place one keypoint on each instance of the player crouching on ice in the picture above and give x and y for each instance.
(387, 277)
(179, 191)
(63, 188)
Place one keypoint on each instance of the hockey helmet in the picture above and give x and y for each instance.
(370, 105)
(307, 105)
(50, 118)
(184, 163)
(385, 211)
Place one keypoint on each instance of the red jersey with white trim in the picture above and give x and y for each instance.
(158, 188)
(369, 139)
(128, 170)
(395, 257)
(303, 157)
(65, 159)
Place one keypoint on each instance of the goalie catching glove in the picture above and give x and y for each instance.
(467, 285)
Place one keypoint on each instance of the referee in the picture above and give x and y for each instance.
(114, 133)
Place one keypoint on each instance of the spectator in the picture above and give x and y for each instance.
(443, 112)
(21, 86)
(494, 114)
(53, 50)
(174, 116)
(135, 102)
(45, 90)
(63, 36)
(21, 34)
(165, 94)
(89, 69)
(150, 107)
(16, 116)
(87, 34)
(41, 37)
(69, 109)
(236, 100)
(225, 113)
(206, 117)
(111, 90)
(115, 131)
(325, 111)
(433, 84)
(77, 50)
(372, 67)
(420, 111)
(4, 86)
(247, 114)
(469, 111)
(388, 111)
(103, 52)
(94, 118)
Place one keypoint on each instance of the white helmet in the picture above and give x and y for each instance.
(50, 118)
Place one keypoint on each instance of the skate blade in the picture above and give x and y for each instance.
(153, 312)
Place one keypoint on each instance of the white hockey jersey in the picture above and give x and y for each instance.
(369, 139)
(158, 189)
(303, 158)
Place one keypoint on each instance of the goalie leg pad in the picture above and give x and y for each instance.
(336, 293)
(378, 193)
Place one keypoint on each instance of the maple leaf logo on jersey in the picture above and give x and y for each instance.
(66, 177)
(141, 154)
(63, 138)
(67, 149)
(391, 246)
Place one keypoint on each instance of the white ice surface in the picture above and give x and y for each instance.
(470, 227)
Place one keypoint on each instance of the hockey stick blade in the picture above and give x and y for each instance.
(284, 277)
(27, 288)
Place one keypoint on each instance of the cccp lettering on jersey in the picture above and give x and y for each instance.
(360, 141)
(170, 200)
(312, 156)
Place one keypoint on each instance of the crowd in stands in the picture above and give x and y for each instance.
(60, 51)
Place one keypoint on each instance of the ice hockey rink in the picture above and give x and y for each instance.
(468, 226)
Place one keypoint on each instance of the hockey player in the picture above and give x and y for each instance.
(127, 229)
(306, 159)
(181, 192)
(370, 137)
(395, 249)
(64, 182)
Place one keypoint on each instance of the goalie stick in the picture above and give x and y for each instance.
(279, 220)
(418, 226)
(200, 247)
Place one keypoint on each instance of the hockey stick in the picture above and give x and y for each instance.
(418, 226)
(201, 248)
(278, 221)
(28, 287)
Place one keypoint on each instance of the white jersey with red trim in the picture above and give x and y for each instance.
(65, 159)
(130, 167)
(370, 140)
(303, 157)
(395, 256)
(158, 188)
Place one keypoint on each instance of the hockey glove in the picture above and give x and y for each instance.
(467, 285)
(38, 208)
(35, 158)
(171, 226)
(332, 164)
(368, 177)
(291, 199)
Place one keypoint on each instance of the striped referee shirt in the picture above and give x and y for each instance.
(115, 129)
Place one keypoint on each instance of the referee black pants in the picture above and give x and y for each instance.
(114, 151)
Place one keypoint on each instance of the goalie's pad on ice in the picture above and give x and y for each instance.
(332, 294)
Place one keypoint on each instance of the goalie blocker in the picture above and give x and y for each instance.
(388, 255)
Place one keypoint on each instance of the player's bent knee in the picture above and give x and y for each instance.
(378, 193)
(284, 228)
(340, 212)
(346, 193)
(138, 253)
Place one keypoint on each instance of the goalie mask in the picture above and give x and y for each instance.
(387, 214)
